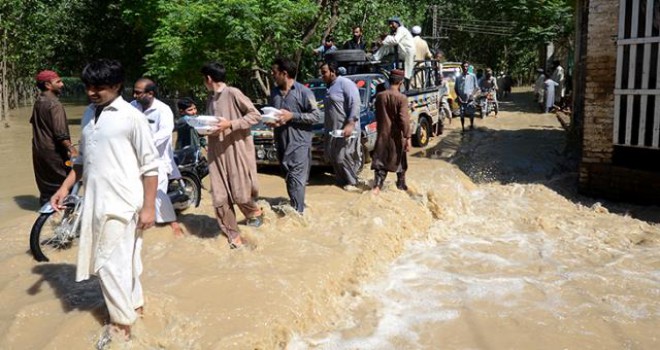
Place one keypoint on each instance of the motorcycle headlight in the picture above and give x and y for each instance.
(272, 155)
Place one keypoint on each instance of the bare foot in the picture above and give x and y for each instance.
(236, 242)
(140, 311)
(119, 332)
(375, 190)
(176, 229)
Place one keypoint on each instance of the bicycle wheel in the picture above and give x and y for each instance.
(53, 234)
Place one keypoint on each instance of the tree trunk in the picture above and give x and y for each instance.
(309, 31)
(4, 93)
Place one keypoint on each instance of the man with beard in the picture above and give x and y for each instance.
(342, 114)
(357, 42)
(119, 166)
(51, 143)
(293, 131)
(393, 140)
(232, 161)
(161, 122)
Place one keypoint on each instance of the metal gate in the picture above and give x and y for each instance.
(637, 89)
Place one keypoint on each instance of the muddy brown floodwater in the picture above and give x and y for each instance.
(490, 249)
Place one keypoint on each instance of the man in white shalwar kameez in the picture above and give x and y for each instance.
(161, 121)
(401, 40)
(119, 167)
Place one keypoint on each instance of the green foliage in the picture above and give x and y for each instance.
(171, 39)
(240, 33)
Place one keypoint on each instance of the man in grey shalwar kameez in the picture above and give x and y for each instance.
(342, 112)
(293, 132)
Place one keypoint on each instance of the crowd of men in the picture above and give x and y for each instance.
(550, 88)
(125, 157)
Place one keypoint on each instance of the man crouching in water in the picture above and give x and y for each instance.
(118, 164)
(393, 140)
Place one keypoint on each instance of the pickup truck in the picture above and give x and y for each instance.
(423, 104)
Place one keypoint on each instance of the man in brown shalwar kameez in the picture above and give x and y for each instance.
(232, 162)
(393, 139)
(51, 143)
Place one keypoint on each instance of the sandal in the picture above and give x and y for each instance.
(255, 221)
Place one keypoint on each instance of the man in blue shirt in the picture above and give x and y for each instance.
(466, 88)
(293, 131)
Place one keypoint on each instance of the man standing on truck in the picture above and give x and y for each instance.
(357, 42)
(466, 87)
(393, 140)
(293, 131)
(342, 126)
(401, 41)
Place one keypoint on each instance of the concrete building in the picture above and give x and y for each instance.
(617, 98)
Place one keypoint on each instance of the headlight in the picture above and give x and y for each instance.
(272, 155)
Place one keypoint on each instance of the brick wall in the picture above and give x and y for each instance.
(598, 175)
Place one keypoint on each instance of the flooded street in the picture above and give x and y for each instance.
(491, 249)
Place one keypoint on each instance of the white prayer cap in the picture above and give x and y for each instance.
(417, 30)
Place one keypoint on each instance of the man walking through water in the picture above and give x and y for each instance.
(51, 143)
(393, 138)
(466, 86)
(293, 132)
(118, 163)
(161, 122)
(232, 164)
(342, 116)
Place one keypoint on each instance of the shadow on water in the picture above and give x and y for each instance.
(27, 202)
(202, 226)
(525, 156)
(81, 296)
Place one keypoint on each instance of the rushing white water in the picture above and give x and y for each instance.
(506, 273)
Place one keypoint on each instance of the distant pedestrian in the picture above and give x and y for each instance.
(539, 88)
(293, 132)
(549, 87)
(232, 162)
(394, 132)
(559, 78)
(51, 141)
(466, 88)
(342, 113)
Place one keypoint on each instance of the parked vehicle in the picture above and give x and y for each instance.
(54, 231)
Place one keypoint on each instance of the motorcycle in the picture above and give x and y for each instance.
(486, 102)
(55, 232)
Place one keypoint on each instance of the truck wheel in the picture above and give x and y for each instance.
(423, 133)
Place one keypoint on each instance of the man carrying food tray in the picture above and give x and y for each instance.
(293, 128)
